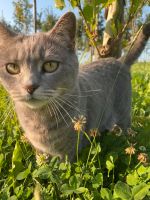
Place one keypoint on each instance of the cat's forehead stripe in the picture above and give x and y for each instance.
(42, 39)
(41, 46)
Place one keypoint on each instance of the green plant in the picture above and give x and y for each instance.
(116, 166)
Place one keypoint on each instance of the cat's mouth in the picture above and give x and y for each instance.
(36, 103)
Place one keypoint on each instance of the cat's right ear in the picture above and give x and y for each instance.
(6, 38)
(65, 30)
(5, 34)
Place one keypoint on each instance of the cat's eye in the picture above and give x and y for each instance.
(12, 68)
(50, 66)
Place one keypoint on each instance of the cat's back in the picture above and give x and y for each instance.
(104, 64)
(105, 83)
(104, 70)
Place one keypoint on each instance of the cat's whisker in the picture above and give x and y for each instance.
(16, 96)
(52, 107)
(55, 110)
(76, 102)
(44, 93)
(79, 96)
(83, 91)
(60, 112)
(92, 90)
(49, 91)
(69, 104)
(63, 109)
(49, 111)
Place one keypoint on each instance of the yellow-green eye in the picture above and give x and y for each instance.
(50, 66)
(12, 68)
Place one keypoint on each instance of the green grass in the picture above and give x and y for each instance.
(141, 101)
(141, 67)
(109, 173)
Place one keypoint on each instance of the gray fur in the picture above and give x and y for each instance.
(101, 91)
(138, 46)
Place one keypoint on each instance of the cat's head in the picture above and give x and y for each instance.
(38, 67)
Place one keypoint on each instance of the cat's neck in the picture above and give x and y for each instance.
(48, 132)
(52, 115)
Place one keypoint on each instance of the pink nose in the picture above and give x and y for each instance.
(31, 88)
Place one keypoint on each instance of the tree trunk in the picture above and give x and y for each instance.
(114, 15)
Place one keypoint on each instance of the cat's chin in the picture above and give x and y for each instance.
(36, 104)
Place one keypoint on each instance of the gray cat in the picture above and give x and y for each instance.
(42, 75)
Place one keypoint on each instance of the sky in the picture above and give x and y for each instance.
(6, 8)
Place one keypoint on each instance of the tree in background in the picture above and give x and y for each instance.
(46, 20)
(23, 15)
(27, 19)
(114, 15)
(81, 37)
(119, 15)
(10, 26)
(34, 16)
(122, 21)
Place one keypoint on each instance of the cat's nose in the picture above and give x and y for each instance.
(31, 88)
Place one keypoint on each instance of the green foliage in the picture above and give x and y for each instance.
(46, 20)
(90, 21)
(60, 4)
(104, 170)
(120, 26)
(23, 15)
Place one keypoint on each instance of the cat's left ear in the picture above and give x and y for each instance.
(65, 30)
(5, 34)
